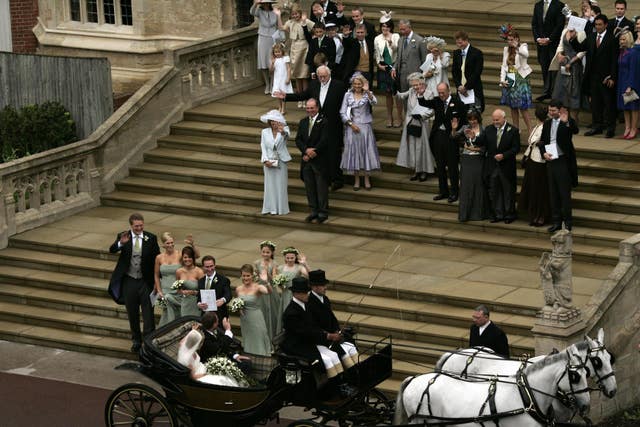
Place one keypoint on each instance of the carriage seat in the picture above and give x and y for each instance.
(169, 343)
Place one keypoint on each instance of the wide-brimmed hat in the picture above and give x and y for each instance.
(300, 284)
(268, 1)
(274, 115)
(317, 277)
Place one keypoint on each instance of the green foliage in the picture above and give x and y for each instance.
(33, 129)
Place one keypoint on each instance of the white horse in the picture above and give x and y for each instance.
(522, 400)
(483, 362)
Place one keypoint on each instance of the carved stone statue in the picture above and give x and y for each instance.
(556, 274)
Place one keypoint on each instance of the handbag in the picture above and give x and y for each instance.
(630, 97)
(413, 129)
(525, 157)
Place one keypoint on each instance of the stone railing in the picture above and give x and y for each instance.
(46, 187)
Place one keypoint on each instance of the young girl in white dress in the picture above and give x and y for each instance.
(281, 69)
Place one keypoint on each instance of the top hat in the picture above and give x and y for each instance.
(316, 277)
(300, 284)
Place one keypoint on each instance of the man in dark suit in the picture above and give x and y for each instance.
(330, 93)
(216, 281)
(320, 307)
(620, 20)
(484, 333)
(361, 55)
(312, 141)
(302, 337)
(547, 24)
(502, 143)
(446, 152)
(220, 341)
(600, 76)
(468, 63)
(319, 43)
(357, 18)
(133, 278)
(562, 170)
(350, 56)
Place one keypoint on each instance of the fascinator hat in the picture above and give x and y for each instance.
(505, 30)
(273, 115)
(435, 42)
(386, 16)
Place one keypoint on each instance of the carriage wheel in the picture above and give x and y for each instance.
(373, 408)
(138, 405)
(304, 424)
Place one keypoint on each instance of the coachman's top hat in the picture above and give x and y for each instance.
(300, 284)
(316, 277)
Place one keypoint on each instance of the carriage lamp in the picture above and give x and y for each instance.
(292, 373)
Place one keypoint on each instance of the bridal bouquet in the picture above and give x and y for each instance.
(178, 284)
(236, 304)
(226, 367)
(280, 280)
(161, 302)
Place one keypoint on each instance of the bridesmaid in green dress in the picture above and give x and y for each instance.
(255, 337)
(265, 270)
(295, 265)
(190, 273)
(165, 272)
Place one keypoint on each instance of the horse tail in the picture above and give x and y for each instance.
(400, 416)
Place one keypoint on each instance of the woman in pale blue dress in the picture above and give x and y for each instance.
(295, 265)
(265, 269)
(167, 263)
(360, 155)
(275, 156)
(255, 337)
(184, 302)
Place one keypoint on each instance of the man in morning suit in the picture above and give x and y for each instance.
(362, 57)
(319, 43)
(466, 70)
(312, 141)
(600, 75)
(220, 342)
(133, 278)
(330, 93)
(302, 337)
(216, 281)
(547, 24)
(445, 151)
(484, 333)
(320, 307)
(357, 18)
(412, 52)
(562, 171)
(502, 143)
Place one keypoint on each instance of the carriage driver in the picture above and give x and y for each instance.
(303, 338)
(320, 307)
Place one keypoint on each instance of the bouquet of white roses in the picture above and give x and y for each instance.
(280, 280)
(161, 302)
(236, 304)
(178, 284)
(224, 366)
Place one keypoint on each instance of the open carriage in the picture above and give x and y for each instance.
(280, 381)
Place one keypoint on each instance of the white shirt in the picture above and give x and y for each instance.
(320, 297)
(133, 238)
(300, 303)
(324, 87)
(483, 327)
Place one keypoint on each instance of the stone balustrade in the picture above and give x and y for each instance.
(48, 186)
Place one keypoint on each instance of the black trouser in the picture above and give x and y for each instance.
(559, 190)
(502, 193)
(317, 189)
(335, 151)
(545, 55)
(603, 105)
(136, 296)
(447, 156)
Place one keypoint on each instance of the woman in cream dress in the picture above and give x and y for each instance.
(435, 67)
(298, 47)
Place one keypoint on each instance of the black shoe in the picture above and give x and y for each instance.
(336, 186)
(423, 177)
(452, 198)
(414, 178)
(494, 220)
(310, 218)
(135, 348)
(593, 132)
(610, 133)
(554, 228)
(543, 97)
(440, 197)
(509, 220)
(322, 219)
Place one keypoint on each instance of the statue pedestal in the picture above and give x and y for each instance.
(557, 329)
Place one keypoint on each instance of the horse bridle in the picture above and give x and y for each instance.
(597, 364)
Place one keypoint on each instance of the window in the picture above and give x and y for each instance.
(111, 12)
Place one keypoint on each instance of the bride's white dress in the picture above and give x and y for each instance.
(188, 356)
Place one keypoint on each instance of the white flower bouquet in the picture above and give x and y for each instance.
(224, 366)
(236, 304)
(280, 280)
(161, 302)
(178, 284)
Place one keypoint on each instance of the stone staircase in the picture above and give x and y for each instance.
(399, 263)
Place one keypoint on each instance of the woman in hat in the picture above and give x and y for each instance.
(386, 48)
(275, 156)
(266, 269)
(435, 67)
(268, 25)
(255, 336)
(295, 265)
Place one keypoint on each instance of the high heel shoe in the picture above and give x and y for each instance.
(632, 135)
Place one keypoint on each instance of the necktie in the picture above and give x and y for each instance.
(462, 68)
(406, 42)
(598, 40)
(311, 121)
(499, 137)
(319, 43)
(137, 243)
(208, 284)
(546, 8)
(363, 47)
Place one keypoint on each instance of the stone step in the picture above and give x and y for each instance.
(357, 226)
(385, 204)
